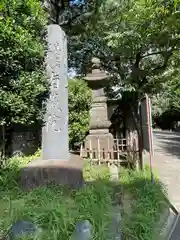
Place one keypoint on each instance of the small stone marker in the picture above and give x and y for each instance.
(22, 229)
(83, 231)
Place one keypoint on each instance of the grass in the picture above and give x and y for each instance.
(146, 204)
(56, 209)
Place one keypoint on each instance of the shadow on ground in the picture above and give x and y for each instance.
(167, 142)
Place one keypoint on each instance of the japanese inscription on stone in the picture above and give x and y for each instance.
(55, 131)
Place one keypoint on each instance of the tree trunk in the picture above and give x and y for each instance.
(137, 123)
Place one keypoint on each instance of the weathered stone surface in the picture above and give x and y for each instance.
(24, 140)
(83, 231)
(22, 229)
(57, 167)
(53, 172)
(55, 132)
(99, 137)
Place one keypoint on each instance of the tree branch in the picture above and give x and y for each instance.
(138, 59)
(71, 19)
(163, 67)
(154, 53)
(160, 52)
(142, 82)
(158, 69)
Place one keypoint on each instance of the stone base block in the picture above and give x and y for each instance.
(53, 172)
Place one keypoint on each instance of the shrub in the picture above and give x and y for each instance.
(80, 99)
(23, 84)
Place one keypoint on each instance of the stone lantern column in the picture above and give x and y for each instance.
(99, 136)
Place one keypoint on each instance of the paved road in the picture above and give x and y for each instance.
(167, 160)
(167, 142)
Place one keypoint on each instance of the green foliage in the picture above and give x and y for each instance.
(174, 93)
(166, 104)
(47, 207)
(80, 99)
(9, 171)
(23, 84)
(161, 103)
(147, 201)
(138, 43)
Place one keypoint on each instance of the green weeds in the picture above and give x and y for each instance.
(147, 202)
(56, 209)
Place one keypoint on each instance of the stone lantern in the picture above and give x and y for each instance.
(99, 137)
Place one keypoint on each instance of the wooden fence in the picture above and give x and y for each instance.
(120, 153)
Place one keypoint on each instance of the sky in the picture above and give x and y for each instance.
(71, 73)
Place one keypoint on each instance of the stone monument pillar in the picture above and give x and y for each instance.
(57, 166)
(99, 136)
(55, 145)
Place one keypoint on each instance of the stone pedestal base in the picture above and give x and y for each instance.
(53, 172)
(100, 145)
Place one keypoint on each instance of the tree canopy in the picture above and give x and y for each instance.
(138, 42)
(166, 104)
(23, 83)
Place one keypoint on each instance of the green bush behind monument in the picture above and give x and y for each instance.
(23, 84)
(80, 99)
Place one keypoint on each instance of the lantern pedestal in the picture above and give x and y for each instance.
(99, 141)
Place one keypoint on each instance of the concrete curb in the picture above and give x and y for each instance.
(171, 222)
(168, 225)
(170, 235)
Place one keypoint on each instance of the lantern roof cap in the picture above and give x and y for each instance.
(97, 74)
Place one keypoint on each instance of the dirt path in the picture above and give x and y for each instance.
(167, 160)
